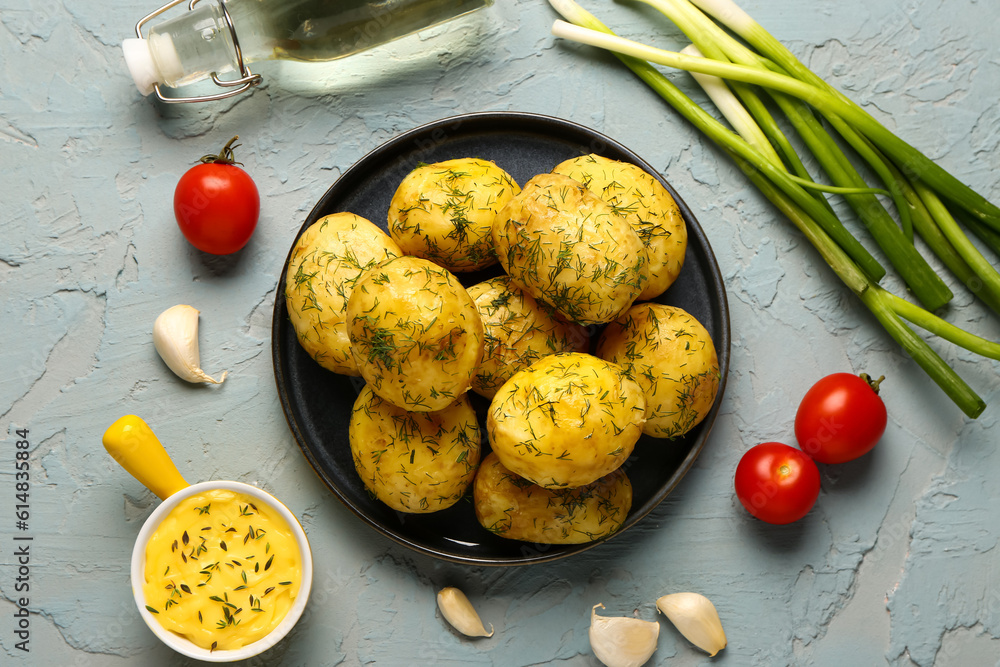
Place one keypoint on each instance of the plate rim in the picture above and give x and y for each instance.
(533, 122)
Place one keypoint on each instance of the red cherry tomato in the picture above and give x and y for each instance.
(840, 418)
(217, 204)
(777, 483)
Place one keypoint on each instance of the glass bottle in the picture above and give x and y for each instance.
(219, 36)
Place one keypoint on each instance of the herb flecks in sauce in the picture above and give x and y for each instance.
(196, 577)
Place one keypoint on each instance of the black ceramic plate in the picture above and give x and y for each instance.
(317, 403)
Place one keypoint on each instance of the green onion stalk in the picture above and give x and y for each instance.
(833, 106)
(926, 285)
(898, 246)
(986, 234)
(762, 164)
(863, 132)
(919, 166)
(969, 266)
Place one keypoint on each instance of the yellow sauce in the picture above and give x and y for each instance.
(222, 570)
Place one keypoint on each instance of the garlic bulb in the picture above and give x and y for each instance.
(175, 335)
(695, 617)
(622, 641)
(457, 610)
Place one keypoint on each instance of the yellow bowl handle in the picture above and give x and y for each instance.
(133, 444)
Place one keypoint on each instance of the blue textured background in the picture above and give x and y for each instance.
(898, 563)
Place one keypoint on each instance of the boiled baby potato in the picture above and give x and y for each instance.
(415, 333)
(444, 212)
(518, 332)
(414, 462)
(642, 200)
(512, 507)
(672, 357)
(566, 247)
(566, 420)
(324, 264)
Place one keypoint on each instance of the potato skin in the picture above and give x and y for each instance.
(416, 462)
(672, 357)
(512, 507)
(566, 247)
(444, 212)
(648, 206)
(566, 420)
(415, 333)
(324, 264)
(518, 332)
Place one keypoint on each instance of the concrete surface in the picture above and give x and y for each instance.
(898, 563)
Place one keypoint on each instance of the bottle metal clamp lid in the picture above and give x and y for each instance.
(147, 74)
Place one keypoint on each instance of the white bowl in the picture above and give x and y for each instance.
(185, 646)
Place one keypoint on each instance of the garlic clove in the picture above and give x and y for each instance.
(175, 335)
(695, 617)
(621, 641)
(457, 610)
